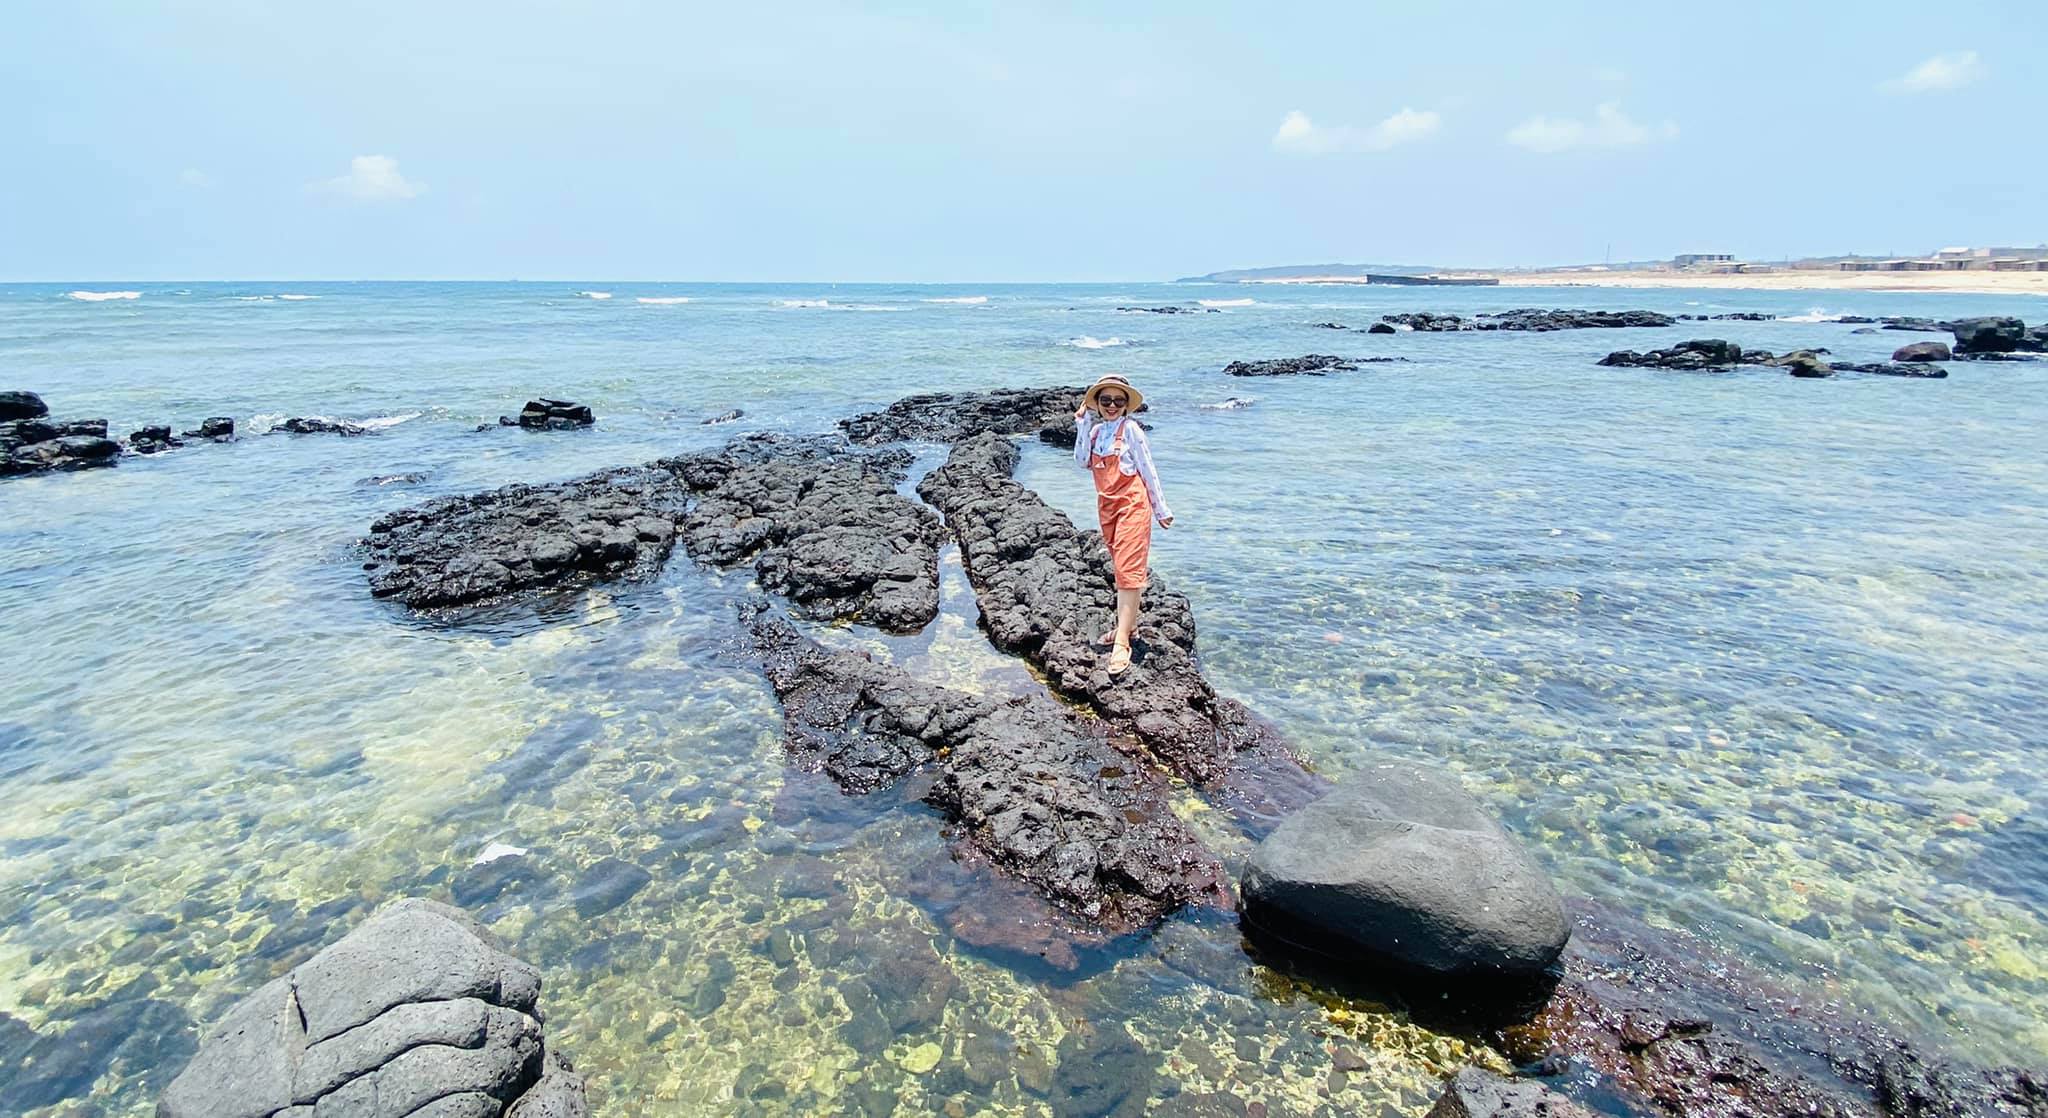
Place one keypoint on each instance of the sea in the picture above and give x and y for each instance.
(1758, 660)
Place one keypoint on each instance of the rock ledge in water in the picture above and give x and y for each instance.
(414, 1012)
(1400, 866)
(547, 414)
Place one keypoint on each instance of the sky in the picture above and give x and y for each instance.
(967, 142)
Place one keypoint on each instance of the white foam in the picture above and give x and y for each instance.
(498, 850)
(595, 294)
(297, 298)
(383, 421)
(803, 302)
(252, 298)
(662, 300)
(1225, 302)
(103, 296)
(964, 299)
(1232, 403)
(259, 424)
(1817, 314)
(1086, 342)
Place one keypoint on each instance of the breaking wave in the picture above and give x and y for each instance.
(662, 300)
(103, 296)
(595, 294)
(964, 299)
(1225, 302)
(1086, 342)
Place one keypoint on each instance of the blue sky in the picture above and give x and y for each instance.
(970, 142)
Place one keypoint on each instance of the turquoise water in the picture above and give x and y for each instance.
(1757, 657)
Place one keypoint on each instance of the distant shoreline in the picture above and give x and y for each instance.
(1970, 283)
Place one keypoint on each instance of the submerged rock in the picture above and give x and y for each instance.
(1477, 1093)
(1922, 351)
(320, 425)
(416, 1008)
(1892, 369)
(1692, 356)
(619, 524)
(722, 417)
(40, 449)
(153, 440)
(1400, 867)
(1314, 364)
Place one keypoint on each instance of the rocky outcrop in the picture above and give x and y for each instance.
(1914, 324)
(1478, 1093)
(1803, 363)
(415, 1012)
(822, 524)
(319, 425)
(1694, 356)
(153, 440)
(1381, 328)
(1922, 351)
(1046, 592)
(21, 405)
(1328, 326)
(1168, 310)
(1399, 866)
(1530, 319)
(31, 446)
(1892, 369)
(546, 414)
(945, 417)
(1314, 364)
(1991, 334)
(619, 524)
(218, 428)
(1039, 793)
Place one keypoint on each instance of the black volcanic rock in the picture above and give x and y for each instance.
(1530, 319)
(619, 524)
(546, 414)
(22, 405)
(951, 416)
(317, 425)
(1992, 334)
(1314, 364)
(1692, 356)
(1892, 369)
(1922, 351)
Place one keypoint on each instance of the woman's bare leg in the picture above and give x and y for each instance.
(1126, 616)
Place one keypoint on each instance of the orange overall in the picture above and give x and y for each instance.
(1126, 514)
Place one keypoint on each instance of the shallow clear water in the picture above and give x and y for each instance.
(1758, 657)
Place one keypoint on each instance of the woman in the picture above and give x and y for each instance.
(1111, 445)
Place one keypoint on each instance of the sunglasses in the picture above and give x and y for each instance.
(1112, 401)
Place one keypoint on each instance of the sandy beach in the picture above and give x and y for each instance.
(1978, 283)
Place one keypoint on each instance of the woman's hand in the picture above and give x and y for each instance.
(1080, 413)
(1166, 522)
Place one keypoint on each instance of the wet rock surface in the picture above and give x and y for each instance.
(1988, 334)
(416, 1011)
(1041, 795)
(950, 416)
(1400, 866)
(545, 414)
(1534, 319)
(822, 525)
(1046, 592)
(319, 425)
(16, 404)
(36, 447)
(1313, 364)
(1921, 351)
(619, 524)
(1477, 1093)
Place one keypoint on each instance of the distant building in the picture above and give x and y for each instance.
(1690, 259)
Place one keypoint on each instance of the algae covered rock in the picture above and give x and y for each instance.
(1399, 867)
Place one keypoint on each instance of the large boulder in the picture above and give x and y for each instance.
(547, 414)
(1478, 1093)
(1922, 351)
(1990, 334)
(1805, 363)
(417, 1008)
(22, 405)
(1399, 868)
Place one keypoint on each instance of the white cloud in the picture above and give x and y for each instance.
(372, 178)
(1302, 136)
(1943, 71)
(1609, 128)
(195, 178)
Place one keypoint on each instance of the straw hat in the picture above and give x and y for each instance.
(1112, 380)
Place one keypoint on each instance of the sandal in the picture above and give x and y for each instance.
(1119, 659)
(1107, 638)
